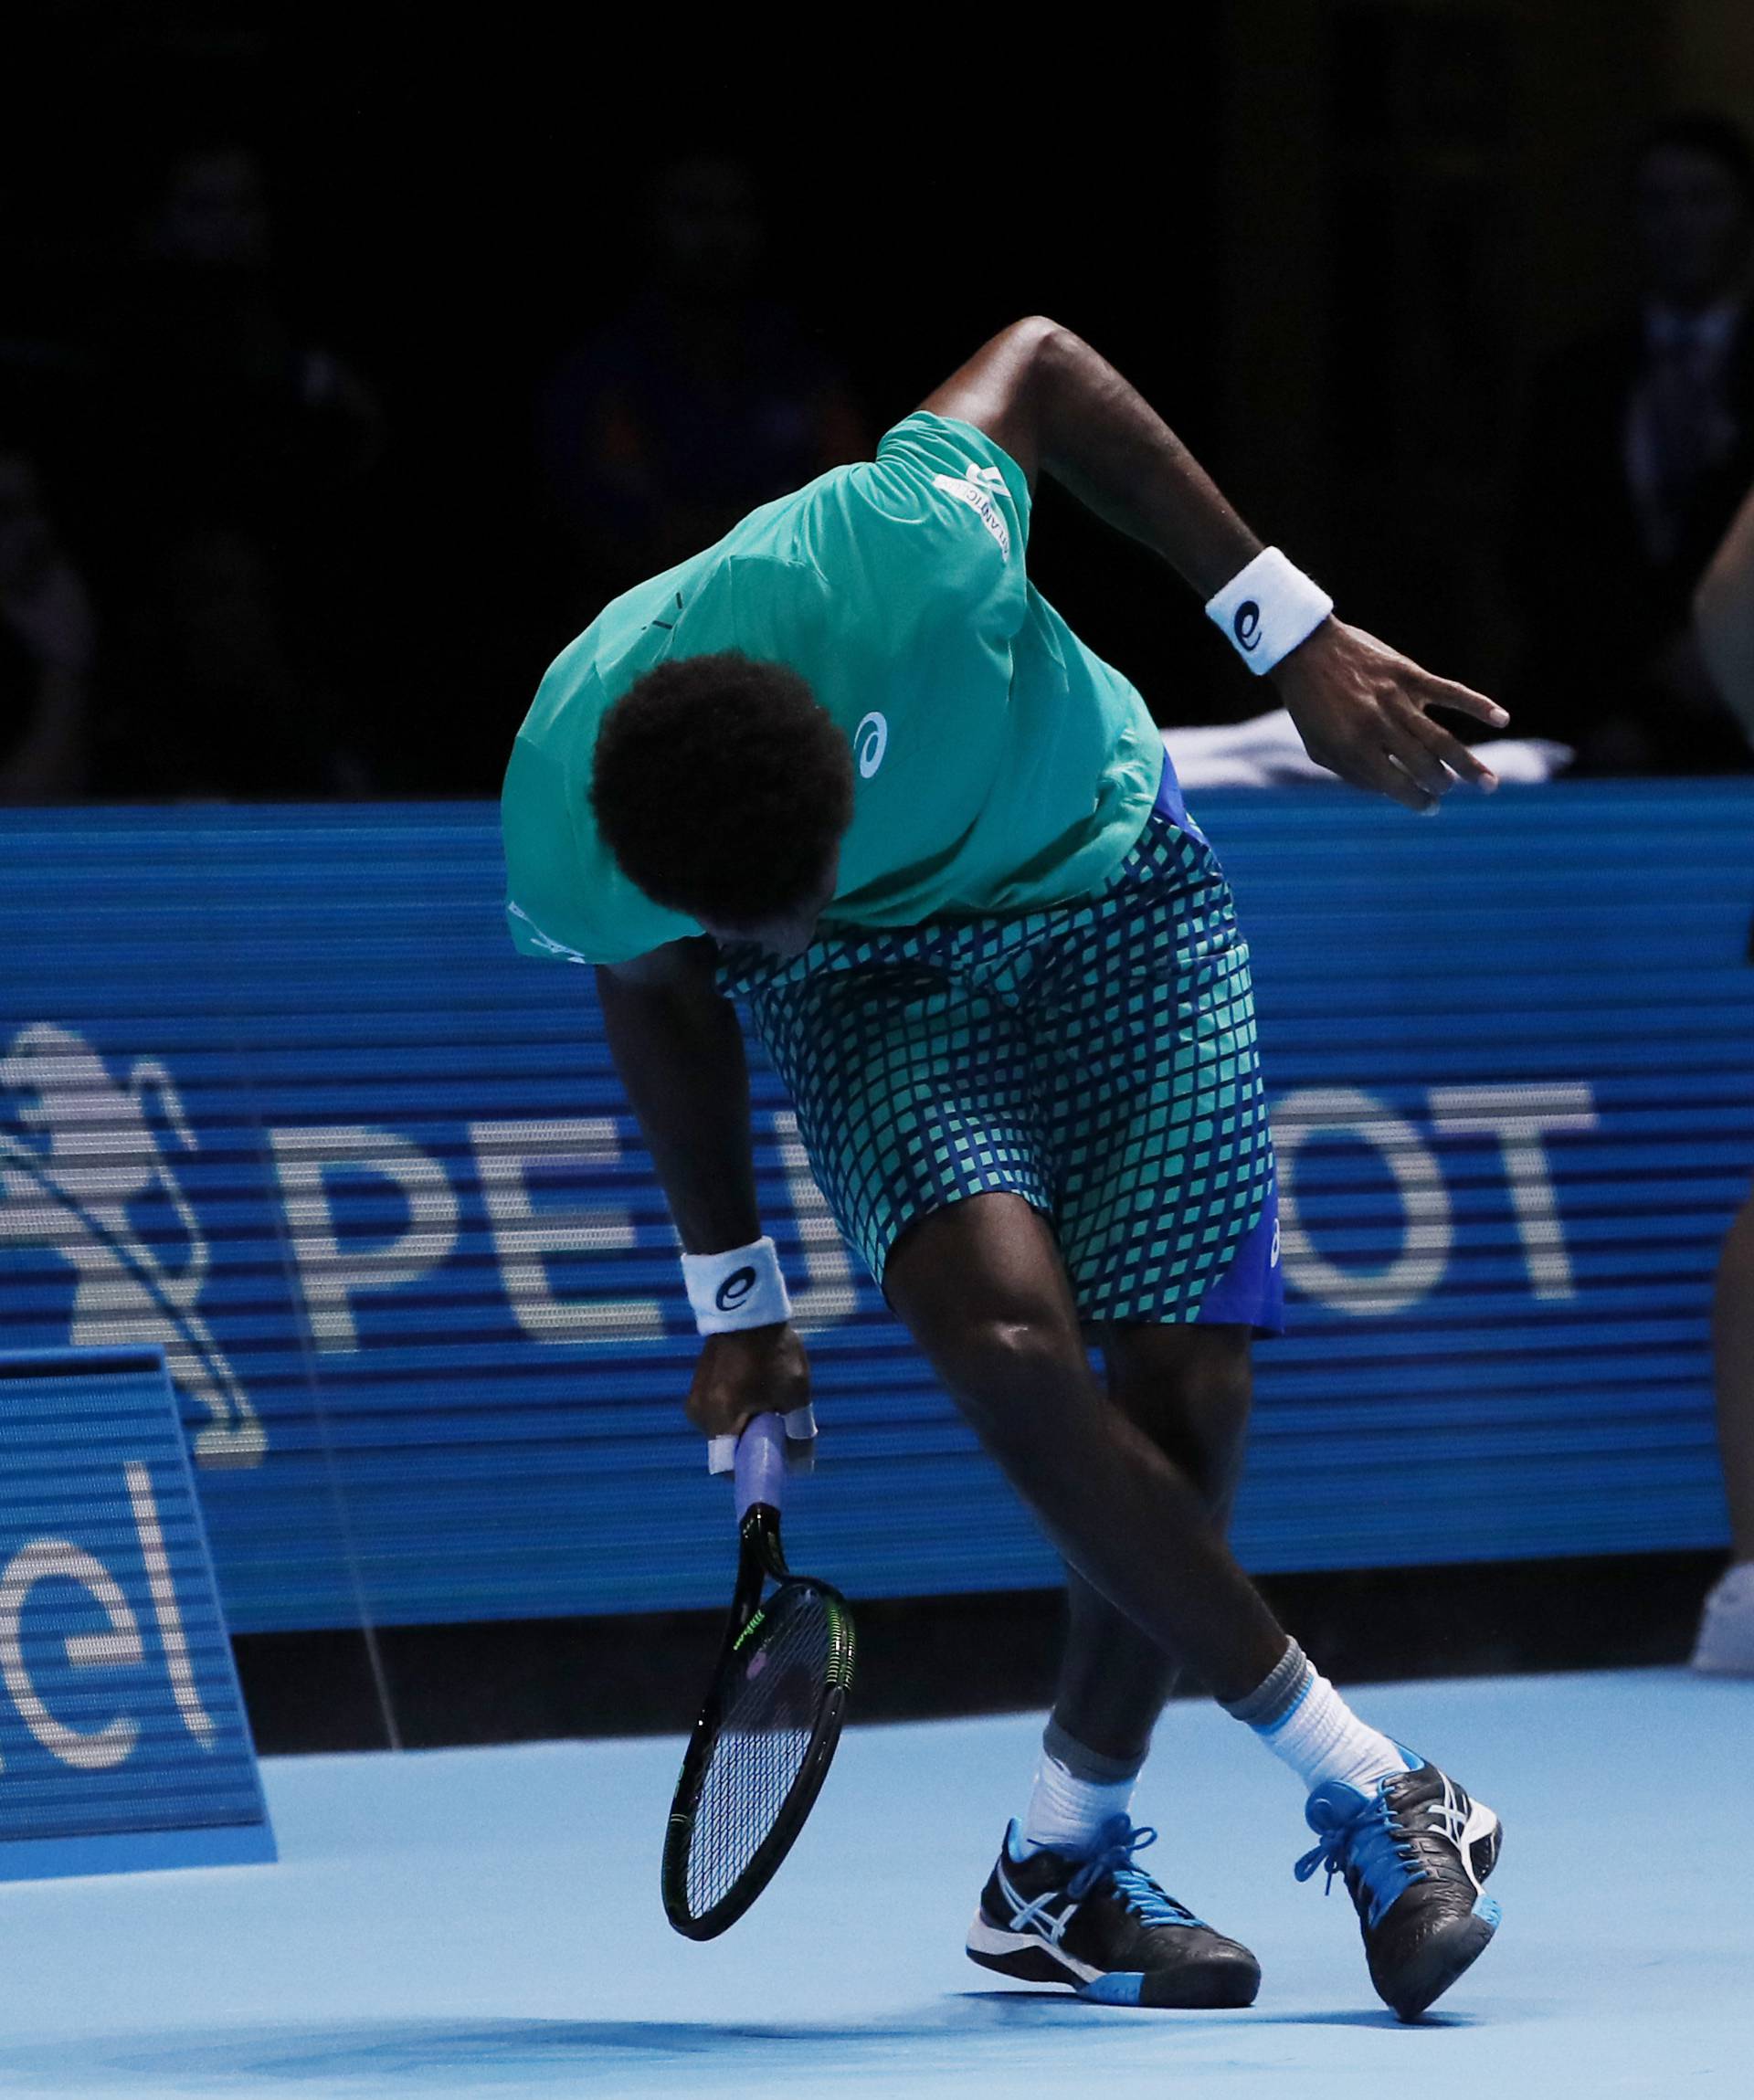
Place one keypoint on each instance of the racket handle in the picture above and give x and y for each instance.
(761, 1463)
(722, 1452)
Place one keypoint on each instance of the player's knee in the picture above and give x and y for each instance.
(1006, 1370)
(1216, 1396)
(1191, 1397)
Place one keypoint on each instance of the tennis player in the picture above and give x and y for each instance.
(849, 766)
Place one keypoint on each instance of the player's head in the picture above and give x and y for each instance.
(723, 789)
(1694, 185)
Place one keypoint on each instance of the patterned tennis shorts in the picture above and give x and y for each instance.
(1096, 1058)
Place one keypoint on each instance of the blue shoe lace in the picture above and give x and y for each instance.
(1372, 1840)
(1113, 1857)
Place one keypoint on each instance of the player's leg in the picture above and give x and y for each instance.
(1726, 1644)
(1165, 1212)
(1187, 1387)
(981, 1288)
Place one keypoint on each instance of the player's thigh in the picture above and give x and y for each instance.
(913, 1092)
(1189, 1387)
(980, 1286)
(1144, 1036)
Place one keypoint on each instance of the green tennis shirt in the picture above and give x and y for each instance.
(999, 765)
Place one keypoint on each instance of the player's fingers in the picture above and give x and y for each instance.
(1408, 751)
(717, 1410)
(1434, 691)
(1381, 772)
(800, 1438)
(1447, 748)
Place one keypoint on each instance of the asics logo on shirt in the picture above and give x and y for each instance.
(869, 741)
(973, 489)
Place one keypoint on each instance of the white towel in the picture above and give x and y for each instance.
(1267, 751)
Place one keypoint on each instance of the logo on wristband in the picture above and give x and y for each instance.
(735, 1287)
(1246, 626)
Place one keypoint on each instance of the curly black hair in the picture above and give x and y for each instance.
(720, 786)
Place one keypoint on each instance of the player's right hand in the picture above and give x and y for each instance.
(751, 1371)
(1363, 710)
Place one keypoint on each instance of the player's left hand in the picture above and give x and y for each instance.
(1362, 709)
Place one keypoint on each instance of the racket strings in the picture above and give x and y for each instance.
(767, 1722)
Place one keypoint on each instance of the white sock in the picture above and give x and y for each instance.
(1065, 1812)
(1303, 1720)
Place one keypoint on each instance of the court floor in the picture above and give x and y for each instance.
(487, 1921)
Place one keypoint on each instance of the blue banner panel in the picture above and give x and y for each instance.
(123, 1738)
(277, 1097)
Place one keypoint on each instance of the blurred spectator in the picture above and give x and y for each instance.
(46, 642)
(1724, 609)
(703, 399)
(222, 708)
(236, 413)
(240, 445)
(1639, 447)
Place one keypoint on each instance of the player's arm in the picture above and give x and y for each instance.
(678, 1046)
(1056, 407)
(1723, 610)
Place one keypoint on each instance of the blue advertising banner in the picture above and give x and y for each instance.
(277, 1097)
(122, 1736)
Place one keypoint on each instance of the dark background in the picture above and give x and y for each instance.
(1332, 242)
(451, 216)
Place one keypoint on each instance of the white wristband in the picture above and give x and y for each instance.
(740, 1288)
(1267, 609)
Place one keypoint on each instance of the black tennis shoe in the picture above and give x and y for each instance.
(1099, 1923)
(1413, 1851)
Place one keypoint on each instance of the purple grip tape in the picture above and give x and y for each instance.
(761, 1462)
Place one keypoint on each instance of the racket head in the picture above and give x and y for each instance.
(758, 1755)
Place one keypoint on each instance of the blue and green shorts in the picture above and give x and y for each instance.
(1096, 1058)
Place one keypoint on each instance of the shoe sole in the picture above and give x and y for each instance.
(1195, 1987)
(1449, 1955)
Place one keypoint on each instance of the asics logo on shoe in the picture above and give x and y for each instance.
(1093, 1920)
(1035, 1916)
(1451, 1814)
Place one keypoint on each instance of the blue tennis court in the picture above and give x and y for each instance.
(487, 1921)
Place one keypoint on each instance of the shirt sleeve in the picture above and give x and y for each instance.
(936, 524)
(567, 901)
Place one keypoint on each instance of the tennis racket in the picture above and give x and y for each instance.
(767, 1732)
